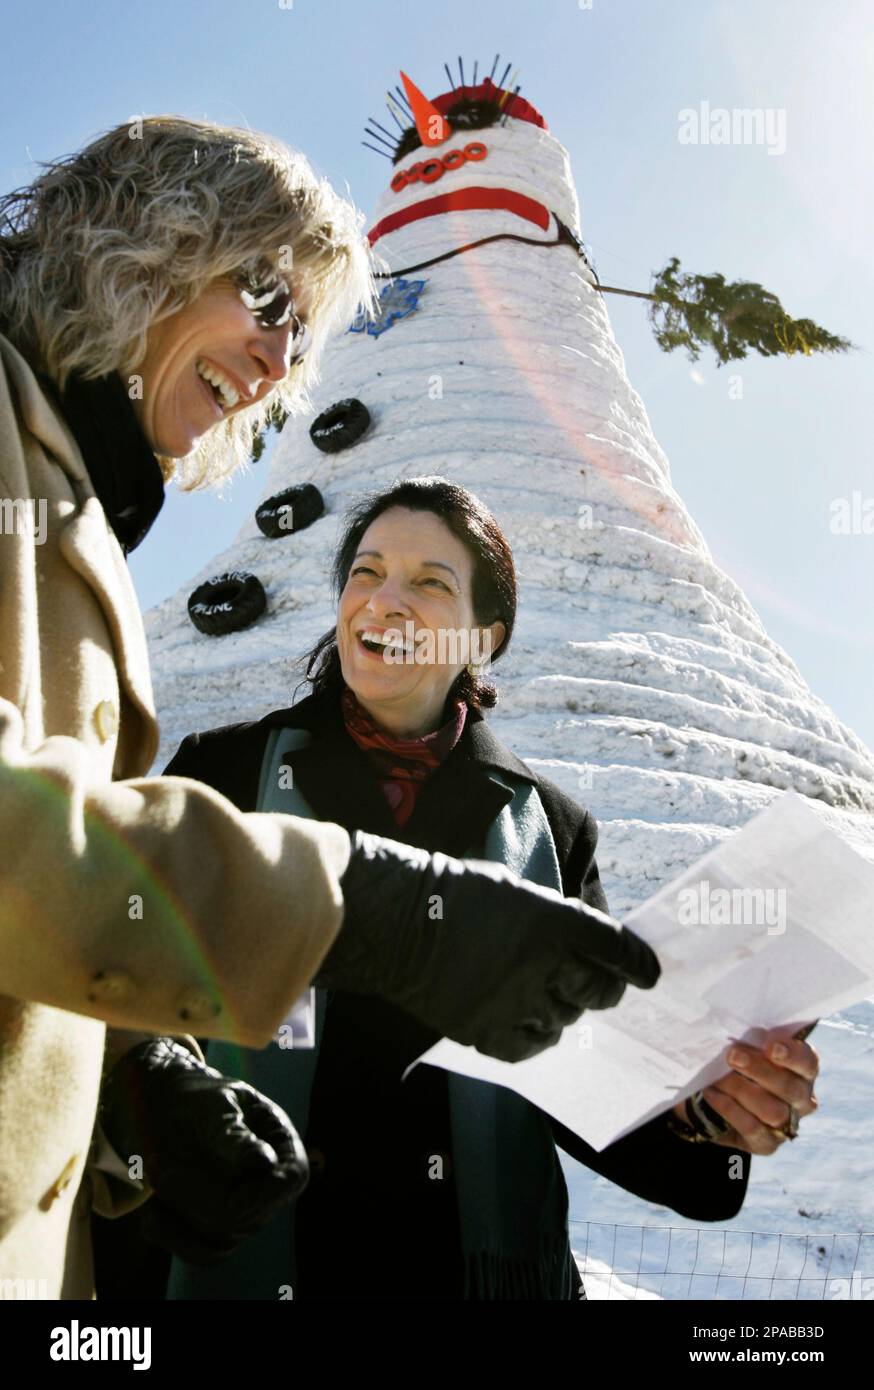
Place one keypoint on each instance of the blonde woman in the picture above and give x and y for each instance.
(158, 293)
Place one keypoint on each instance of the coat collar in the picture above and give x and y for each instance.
(91, 549)
(43, 420)
(455, 806)
(86, 429)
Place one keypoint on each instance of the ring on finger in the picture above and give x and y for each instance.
(789, 1130)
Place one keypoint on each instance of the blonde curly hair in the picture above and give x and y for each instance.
(134, 227)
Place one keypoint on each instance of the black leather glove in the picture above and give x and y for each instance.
(503, 966)
(221, 1158)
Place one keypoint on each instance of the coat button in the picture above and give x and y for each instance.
(106, 719)
(60, 1183)
(112, 985)
(197, 1004)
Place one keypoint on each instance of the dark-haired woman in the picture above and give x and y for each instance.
(437, 1187)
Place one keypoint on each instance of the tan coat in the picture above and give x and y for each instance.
(148, 904)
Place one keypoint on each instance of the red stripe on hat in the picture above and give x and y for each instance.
(515, 106)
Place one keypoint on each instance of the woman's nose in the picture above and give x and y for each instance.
(387, 600)
(272, 351)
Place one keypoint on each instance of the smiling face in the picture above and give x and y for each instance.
(410, 583)
(212, 359)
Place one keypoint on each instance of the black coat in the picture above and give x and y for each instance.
(454, 809)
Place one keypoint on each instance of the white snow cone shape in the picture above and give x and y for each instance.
(639, 677)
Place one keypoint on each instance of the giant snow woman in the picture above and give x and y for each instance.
(639, 676)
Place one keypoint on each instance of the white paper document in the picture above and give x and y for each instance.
(775, 926)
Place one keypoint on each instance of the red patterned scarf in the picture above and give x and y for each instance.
(402, 765)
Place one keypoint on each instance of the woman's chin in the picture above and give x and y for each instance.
(181, 436)
(375, 688)
(379, 684)
(177, 444)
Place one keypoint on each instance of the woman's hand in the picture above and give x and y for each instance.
(755, 1097)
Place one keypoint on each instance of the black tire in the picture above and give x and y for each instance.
(340, 426)
(227, 603)
(306, 504)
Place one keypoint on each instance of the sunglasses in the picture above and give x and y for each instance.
(268, 298)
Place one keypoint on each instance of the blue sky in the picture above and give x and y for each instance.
(759, 473)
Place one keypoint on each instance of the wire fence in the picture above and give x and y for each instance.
(625, 1262)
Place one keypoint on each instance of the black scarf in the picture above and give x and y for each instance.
(124, 471)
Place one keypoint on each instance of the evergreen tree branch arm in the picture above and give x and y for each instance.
(733, 318)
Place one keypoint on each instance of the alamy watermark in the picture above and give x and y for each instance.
(23, 516)
(741, 125)
(23, 1289)
(852, 516)
(704, 906)
(77, 1343)
(448, 646)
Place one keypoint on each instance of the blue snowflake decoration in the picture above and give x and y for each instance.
(397, 300)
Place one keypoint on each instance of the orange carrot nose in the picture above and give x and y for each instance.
(432, 127)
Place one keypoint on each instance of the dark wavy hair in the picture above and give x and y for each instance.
(494, 574)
